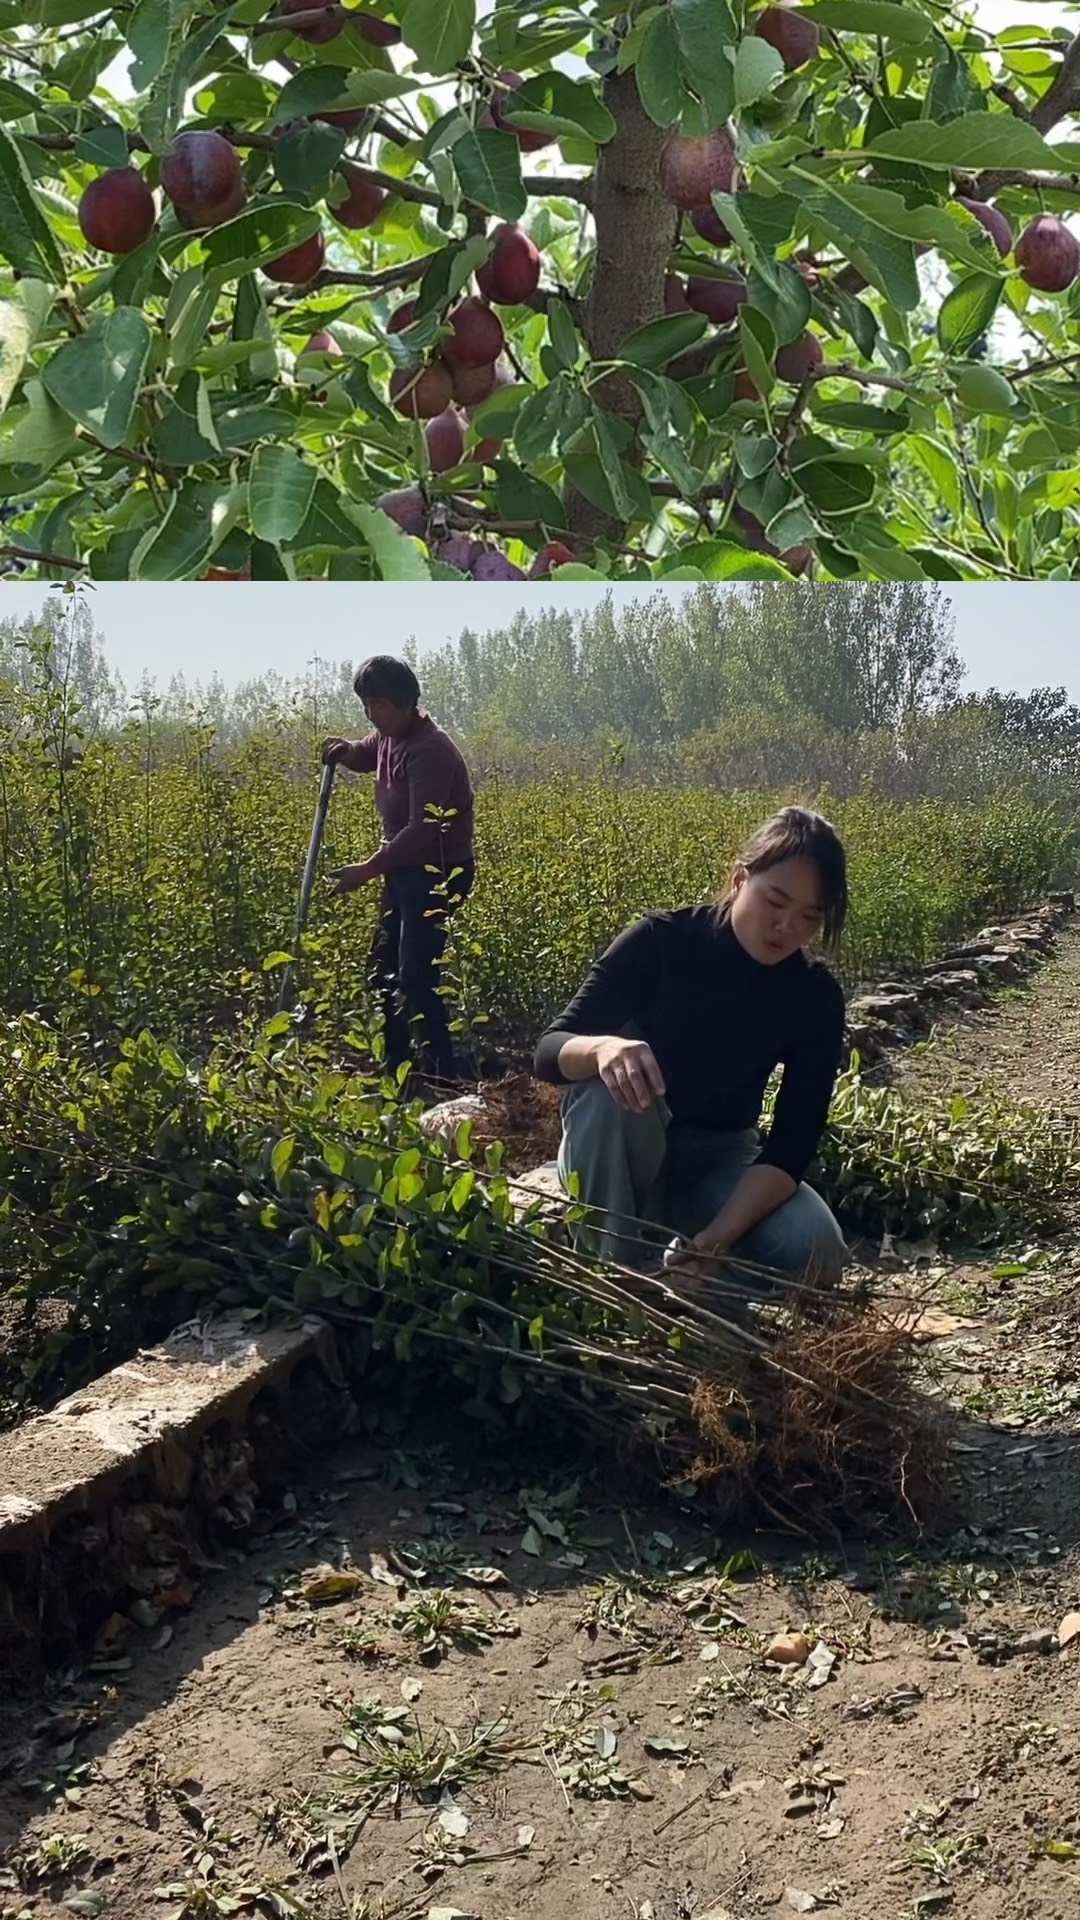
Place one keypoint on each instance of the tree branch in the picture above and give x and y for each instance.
(314, 16)
(401, 276)
(569, 186)
(1061, 98)
(41, 559)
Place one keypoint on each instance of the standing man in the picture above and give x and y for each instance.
(426, 860)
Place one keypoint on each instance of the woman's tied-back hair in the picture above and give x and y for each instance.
(384, 678)
(795, 833)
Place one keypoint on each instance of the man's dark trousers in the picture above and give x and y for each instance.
(410, 940)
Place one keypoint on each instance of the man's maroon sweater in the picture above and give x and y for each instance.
(420, 769)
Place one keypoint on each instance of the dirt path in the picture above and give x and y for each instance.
(1026, 1042)
(605, 1734)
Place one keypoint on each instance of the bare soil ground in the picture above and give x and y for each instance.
(594, 1728)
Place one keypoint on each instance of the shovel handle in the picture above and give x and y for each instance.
(308, 882)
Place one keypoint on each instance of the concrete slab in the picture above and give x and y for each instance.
(140, 1418)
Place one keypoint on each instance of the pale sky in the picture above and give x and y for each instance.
(1011, 636)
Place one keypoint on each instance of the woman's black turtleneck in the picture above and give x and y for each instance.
(718, 1022)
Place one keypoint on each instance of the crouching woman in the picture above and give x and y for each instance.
(666, 1051)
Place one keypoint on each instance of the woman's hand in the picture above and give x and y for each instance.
(347, 879)
(334, 750)
(631, 1073)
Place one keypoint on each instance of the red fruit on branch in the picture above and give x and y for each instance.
(529, 139)
(445, 436)
(117, 211)
(720, 300)
(421, 392)
(797, 359)
(300, 264)
(407, 508)
(364, 202)
(994, 221)
(795, 37)
(201, 176)
(693, 167)
(707, 222)
(1048, 254)
(377, 33)
(495, 566)
(315, 32)
(554, 554)
(512, 274)
(477, 336)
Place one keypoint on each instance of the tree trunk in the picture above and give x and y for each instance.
(635, 232)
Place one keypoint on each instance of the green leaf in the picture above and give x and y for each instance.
(103, 147)
(883, 258)
(793, 526)
(785, 298)
(759, 224)
(952, 90)
(951, 228)
(967, 311)
(707, 35)
(396, 554)
(26, 238)
(181, 544)
(16, 102)
(41, 435)
(446, 276)
(148, 33)
(726, 560)
(658, 78)
(283, 1157)
(488, 167)
(890, 563)
(305, 157)
(972, 141)
(757, 65)
(180, 436)
(439, 32)
(659, 341)
(310, 89)
(257, 236)
(672, 424)
(834, 487)
(545, 417)
(872, 17)
(97, 377)
(313, 89)
(563, 335)
(520, 496)
(755, 453)
(556, 104)
(21, 320)
(281, 485)
(462, 1189)
(759, 348)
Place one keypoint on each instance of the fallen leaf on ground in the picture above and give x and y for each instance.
(1069, 1630)
(793, 1649)
(822, 1662)
(934, 1323)
(180, 1594)
(381, 1572)
(331, 1583)
(661, 1743)
(800, 1901)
